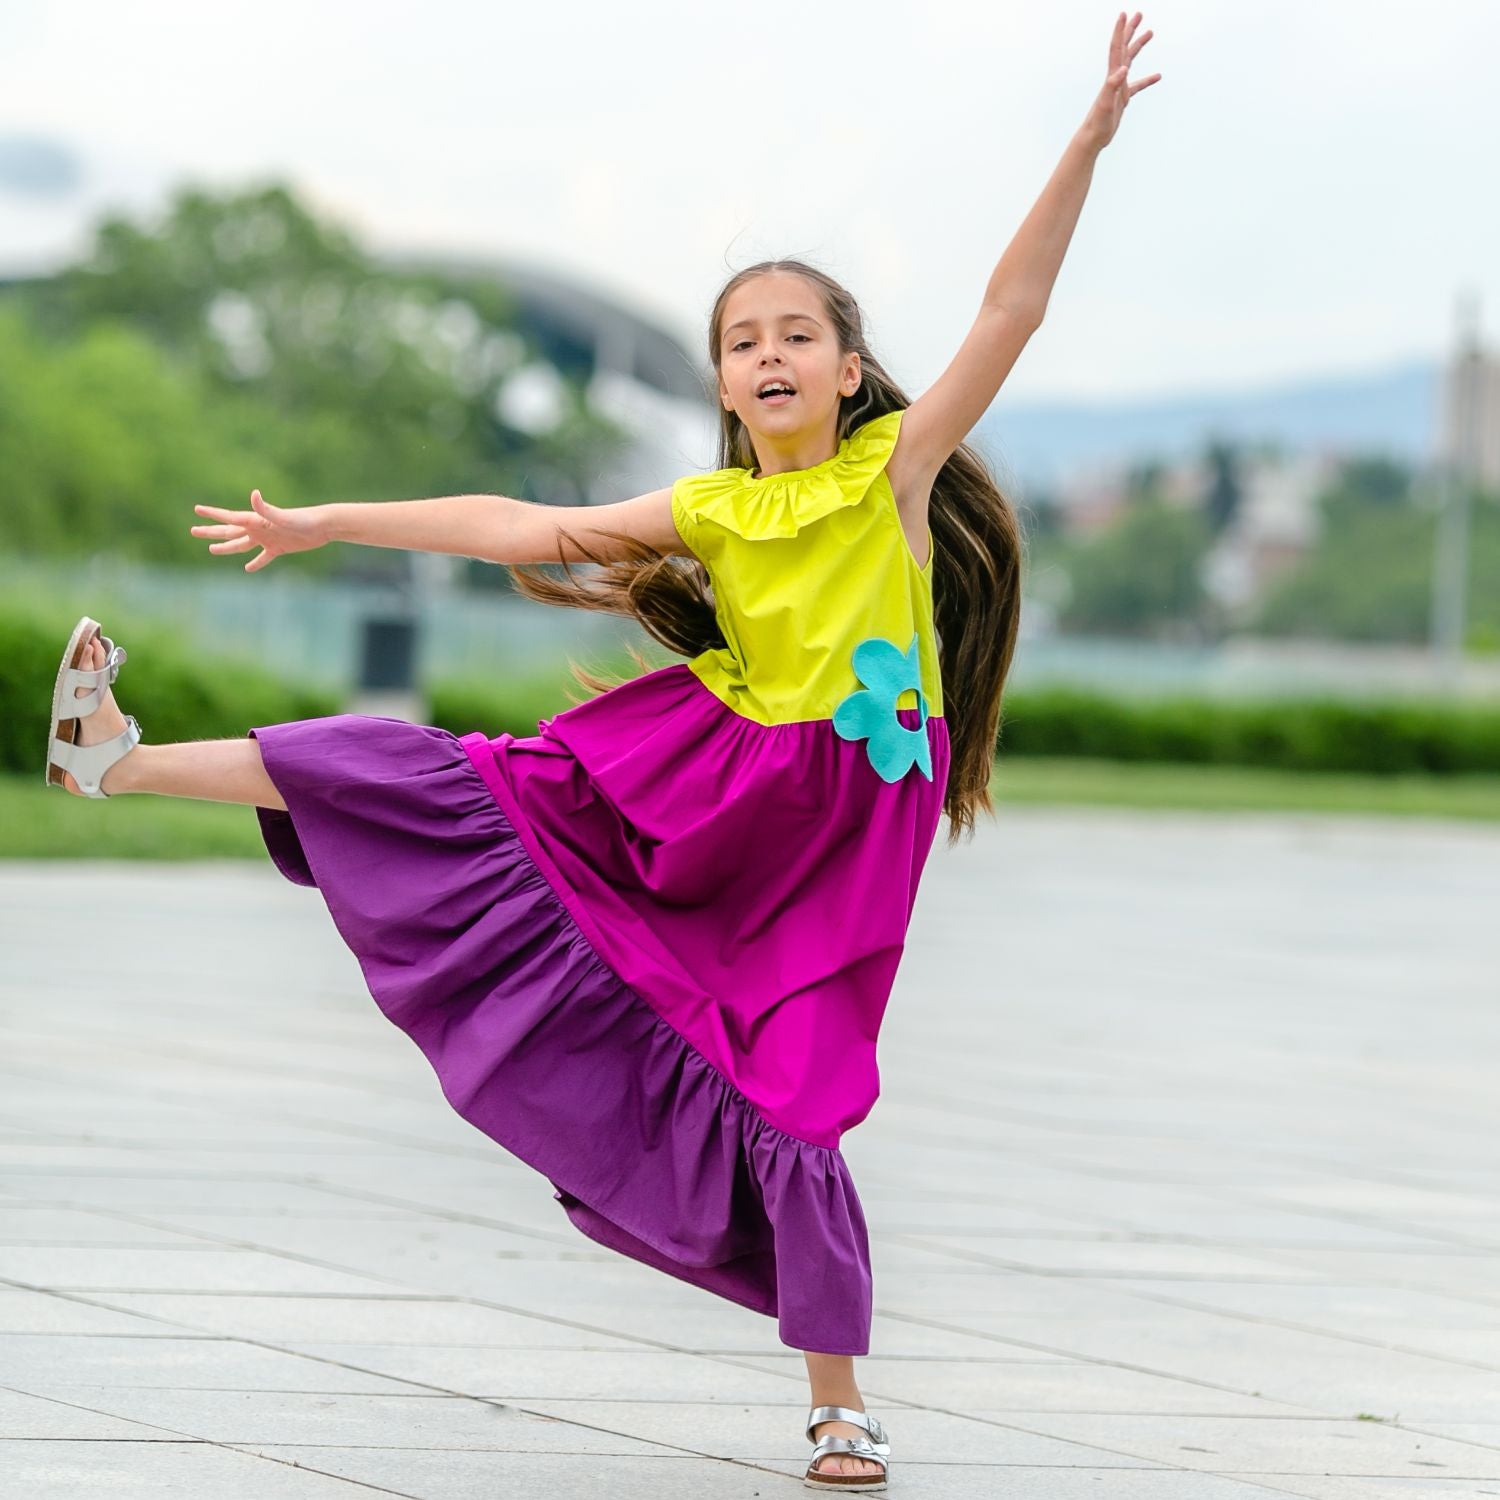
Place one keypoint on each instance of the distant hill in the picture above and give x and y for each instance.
(1394, 413)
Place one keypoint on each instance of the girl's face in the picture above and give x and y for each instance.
(775, 329)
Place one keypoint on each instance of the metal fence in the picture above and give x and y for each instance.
(316, 631)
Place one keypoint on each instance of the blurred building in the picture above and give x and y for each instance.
(1469, 413)
(1092, 498)
(1275, 522)
(635, 373)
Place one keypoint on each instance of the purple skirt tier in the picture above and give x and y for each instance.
(466, 946)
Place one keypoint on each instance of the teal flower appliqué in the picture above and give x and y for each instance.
(870, 713)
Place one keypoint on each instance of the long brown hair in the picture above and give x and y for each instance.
(976, 572)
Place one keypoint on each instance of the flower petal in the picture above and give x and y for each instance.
(860, 714)
(871, 714)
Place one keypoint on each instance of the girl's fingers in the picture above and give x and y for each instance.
(216, 530)
(239, 544)
(219, 514)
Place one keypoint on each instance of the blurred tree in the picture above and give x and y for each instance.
(1371, 480)
(1225, 490)
(329, 375)
(1141, 577)
(105, 445)
(1370, 576)
(1143, 481)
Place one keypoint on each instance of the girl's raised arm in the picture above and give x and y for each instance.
(1016, 298)
(493, 528)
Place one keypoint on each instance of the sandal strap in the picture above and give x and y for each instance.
(820, 1414)
(862, 1447)
(96, 679)
(88, 763)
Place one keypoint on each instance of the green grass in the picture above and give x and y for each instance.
(1062, 780)
(40, 822)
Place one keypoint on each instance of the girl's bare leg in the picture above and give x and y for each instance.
(832, 1379)
(211, 770)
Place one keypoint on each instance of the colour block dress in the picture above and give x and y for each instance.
(648, 949)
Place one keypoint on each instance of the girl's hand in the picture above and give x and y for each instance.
(1108, 109)
(270, 527)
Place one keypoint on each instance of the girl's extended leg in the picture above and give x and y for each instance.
(832, 1380)
(212, 770)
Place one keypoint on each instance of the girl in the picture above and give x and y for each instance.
(649, 948)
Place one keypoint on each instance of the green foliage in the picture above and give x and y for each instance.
(1381, 738)
(1369, 578)
(242, 344)
(518, 704)
(1225, 489)
(1141, 577)
(174, 693)
(1374, 480)
(105, 445)
(1075, 781)
(39, 822)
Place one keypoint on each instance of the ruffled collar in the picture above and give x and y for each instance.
(780, 505)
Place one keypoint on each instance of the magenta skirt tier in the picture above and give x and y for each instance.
(622, 997)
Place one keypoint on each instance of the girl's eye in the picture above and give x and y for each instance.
(743, 342)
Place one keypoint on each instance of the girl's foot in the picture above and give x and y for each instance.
(843, 1463)
(104, 723)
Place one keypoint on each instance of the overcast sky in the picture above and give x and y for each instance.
(1305, 192)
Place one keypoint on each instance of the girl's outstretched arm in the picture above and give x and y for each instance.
(493, 528)
(1016, 298)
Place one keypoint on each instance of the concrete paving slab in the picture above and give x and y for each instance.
(42, 1361)
(584, 1374)
(60, 1418)
(759, 1433)
(1162, 1195)
(26, 1311)
(23, 1224)
(355, 1320)
(149, 1470)
(470, 1475)
(1011, 1386)
(333, 1419)
(172, 1268)
(1276, 1445)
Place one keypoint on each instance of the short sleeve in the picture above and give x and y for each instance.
(688, 495)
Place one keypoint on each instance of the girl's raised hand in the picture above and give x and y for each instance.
(270, 527)
(1109, 108)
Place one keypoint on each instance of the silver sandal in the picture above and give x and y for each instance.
(876, 1447)
(85, 763)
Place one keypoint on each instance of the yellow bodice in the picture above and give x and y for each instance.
(806, 565)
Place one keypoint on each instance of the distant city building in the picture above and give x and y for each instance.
(1092, 498)
(634, 373)
(1275, 523)
(1468, 434)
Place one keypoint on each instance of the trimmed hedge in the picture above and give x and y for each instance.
(1381, 737)
(176, 692)
(511, 708)
(1302, 734)
(180, 692)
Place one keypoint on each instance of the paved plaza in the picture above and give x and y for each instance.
(1184, 1184)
